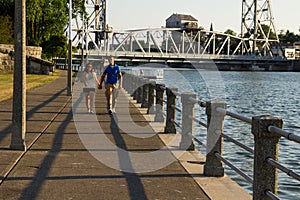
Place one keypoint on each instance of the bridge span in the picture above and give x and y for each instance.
(183, 47)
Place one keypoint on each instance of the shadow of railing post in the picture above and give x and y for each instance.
(159, 102)
(171, 111)
(187, 121)
(151, 89)
(265, 177)
(215, 126)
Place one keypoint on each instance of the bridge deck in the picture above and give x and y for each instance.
(57, 165)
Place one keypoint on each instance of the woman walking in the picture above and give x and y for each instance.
(90, 81)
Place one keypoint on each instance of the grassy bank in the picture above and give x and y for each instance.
(32, 81)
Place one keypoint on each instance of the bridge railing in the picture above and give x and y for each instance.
(267, 130)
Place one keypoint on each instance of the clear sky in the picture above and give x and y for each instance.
(224, 14)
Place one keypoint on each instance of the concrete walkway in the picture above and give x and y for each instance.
(65, 154)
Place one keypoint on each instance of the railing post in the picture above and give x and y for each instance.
(215, 126)
(139, 90)
(125, 81)
(265, 146)
(160, 88)
(145, 92)
(171, 111)
(151, 88)
(187, 121)
(135, 87)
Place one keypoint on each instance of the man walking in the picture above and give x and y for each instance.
(113, 82)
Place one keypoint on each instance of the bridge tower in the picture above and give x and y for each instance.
(258, 25)
(91, 28)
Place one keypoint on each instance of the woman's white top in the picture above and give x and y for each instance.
(90, 77)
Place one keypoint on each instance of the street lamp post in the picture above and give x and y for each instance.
(19, 92)
(69, 91)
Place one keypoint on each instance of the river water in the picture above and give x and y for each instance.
(249, 94)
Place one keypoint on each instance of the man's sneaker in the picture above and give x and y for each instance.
(110, 111)
(92, 112)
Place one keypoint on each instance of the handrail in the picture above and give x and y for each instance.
(216, 110)
(238, 143)
(289, 172)
(198, 121)
(176, 108)
(245, 176)
(271, 195)
(235, 115)
(288, 135)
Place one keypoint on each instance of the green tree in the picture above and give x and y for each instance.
(7, 8)
(230, 32)
(267, 31)
(45, 19)
(56, 46)
(6, 31)
(289, 37)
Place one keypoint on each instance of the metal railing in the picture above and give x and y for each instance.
(267, 131)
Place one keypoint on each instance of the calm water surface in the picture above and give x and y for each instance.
(249, 94)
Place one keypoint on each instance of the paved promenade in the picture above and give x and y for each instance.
(61, 164)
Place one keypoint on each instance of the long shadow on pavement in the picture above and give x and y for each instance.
(29, 114)
(31, 192)
(134, 183)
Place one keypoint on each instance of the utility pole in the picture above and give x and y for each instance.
(69, 92)
(19, 91)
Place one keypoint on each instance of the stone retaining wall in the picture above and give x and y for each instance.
(6, 56)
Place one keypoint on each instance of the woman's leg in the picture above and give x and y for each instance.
(87, 101)
(92, 102)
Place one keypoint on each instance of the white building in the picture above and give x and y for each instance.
(181, 21)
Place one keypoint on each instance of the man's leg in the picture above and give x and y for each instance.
(108, 94)
(115, 94)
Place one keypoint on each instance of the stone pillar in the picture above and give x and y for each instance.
(215, 126)
(145, 92)
(151, 88)
(266, 146)
(19, 91)
(139, 90)
(160, 89)
(187, 121)
(171, 111)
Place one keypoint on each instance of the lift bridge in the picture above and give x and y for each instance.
(258, 43)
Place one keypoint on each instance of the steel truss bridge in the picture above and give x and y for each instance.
(258, 42)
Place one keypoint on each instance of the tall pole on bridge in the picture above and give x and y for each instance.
(19, 91)
(258, 25)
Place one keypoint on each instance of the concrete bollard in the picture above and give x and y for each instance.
(145, 92)
(215, 126)
(135, 87)
(186, 142)
(151, 89)
(139, 94)
(160, 89)
(266, 146)
(171, 111)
